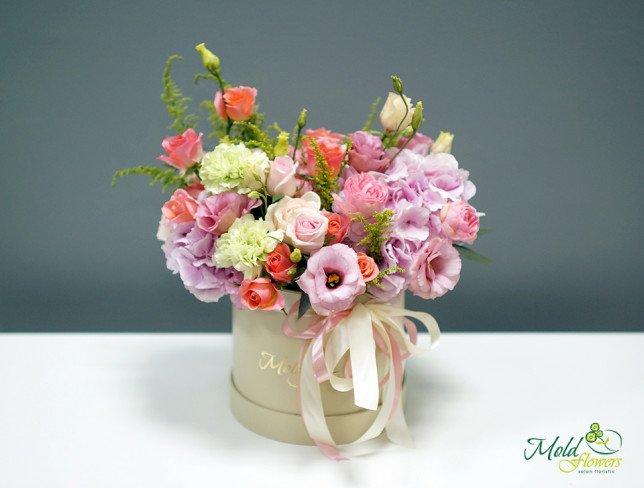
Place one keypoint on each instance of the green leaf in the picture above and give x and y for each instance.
(472, 255)
(484, 230)
(305, 304)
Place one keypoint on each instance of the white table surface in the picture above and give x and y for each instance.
(151, 410)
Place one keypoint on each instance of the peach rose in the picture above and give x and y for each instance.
(183, 150)
(330, 146)
(237, 103)
(260, 293)
(368, 267)
(180, 208)
(338, 227)
(278, 264)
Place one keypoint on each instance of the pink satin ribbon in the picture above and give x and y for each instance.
(396, 344)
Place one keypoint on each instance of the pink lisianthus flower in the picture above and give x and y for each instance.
(262, 294)
(180, 208)
(367, 153)
(237, 103)
(460, 222)
(183, 150)
(330, 146)
(217, 213)
(362, 194)
(435, 269)
(332, 279)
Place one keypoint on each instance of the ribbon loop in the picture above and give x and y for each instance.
(378, 338)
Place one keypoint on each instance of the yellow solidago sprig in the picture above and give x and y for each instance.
(378, 230)
(325, 183)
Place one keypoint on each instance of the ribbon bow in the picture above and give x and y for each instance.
(378, 337)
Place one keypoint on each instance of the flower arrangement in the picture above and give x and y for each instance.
(334, 216)
(349, 221)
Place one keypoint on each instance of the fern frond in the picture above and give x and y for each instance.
(217, 126)
(372, 115)
(175, 103)
(168, 178)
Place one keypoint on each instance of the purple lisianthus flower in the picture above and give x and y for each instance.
(188, 250)
(367, 153)
(447, 179)
(216, 213)
(332, 279)
(420, 143)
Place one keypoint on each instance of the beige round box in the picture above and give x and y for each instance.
(264, 378)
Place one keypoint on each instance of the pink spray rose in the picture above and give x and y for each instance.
(367, 153)
(281, 177)
(217, 213)
(195, 189)
(330, 146)
(306, 230)
(362, 194)
(262, 294)
(337, 228)
(460, 222)
(419, 144)
(180, 208)
(435, 269)
(278, 264)
(332, 279)
(368, 267)
(237, 103)
(183, 150)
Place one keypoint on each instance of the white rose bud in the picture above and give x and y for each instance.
(393, 112)
(443, 144)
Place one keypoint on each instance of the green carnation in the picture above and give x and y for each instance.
(246, 245)
(234, 167)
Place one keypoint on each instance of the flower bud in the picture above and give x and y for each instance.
(281, 146)
(417, 118)
(296, 255)
(254, 194)
(291, 271)
(443, 144)
(398, 86)
(301, 120)
(396, 113)
(209, 60)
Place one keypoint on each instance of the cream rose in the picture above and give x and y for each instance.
(393, 111)
(278, 213)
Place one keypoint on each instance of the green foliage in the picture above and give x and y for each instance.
(252, 136)
(175, 103)
(391, 270)
(471, 254)
(372, 115)
(324, 182)
(205, 76)
(378, 231)
(168, 178)
(305, 304)
(217, 126)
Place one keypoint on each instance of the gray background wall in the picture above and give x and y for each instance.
(545, 98)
